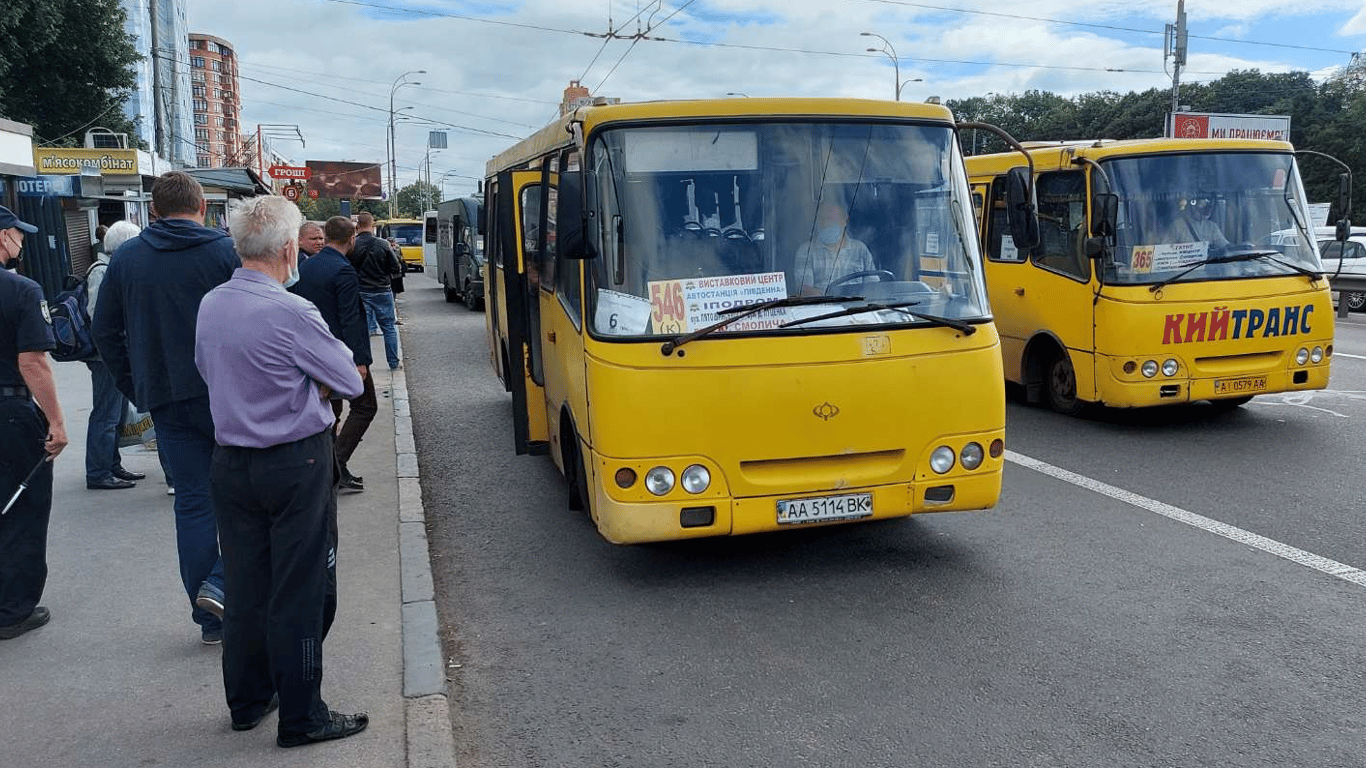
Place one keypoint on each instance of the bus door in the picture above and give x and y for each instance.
(519, 231)
(1048, 289)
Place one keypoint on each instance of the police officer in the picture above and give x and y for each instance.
(32, 433)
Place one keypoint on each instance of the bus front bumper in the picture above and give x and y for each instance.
(1121, 390)
(635, 522)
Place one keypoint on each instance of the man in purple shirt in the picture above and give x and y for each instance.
(272, 478)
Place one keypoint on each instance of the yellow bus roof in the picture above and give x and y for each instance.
(557, 134)
(1050, 155)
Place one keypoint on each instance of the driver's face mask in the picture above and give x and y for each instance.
(829, 234)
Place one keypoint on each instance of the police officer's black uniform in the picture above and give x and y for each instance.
(24, 327)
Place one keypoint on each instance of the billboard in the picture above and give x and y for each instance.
(339, 179)
(1209, 125)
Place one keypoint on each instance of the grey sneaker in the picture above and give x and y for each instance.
(210, 598)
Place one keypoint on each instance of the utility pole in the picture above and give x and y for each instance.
(1175, 47)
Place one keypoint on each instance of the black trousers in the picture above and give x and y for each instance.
(23, 531)
(277, 513)
(363, 410)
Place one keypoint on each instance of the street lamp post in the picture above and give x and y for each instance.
(891, 53)
(911, 80)
(399, 82)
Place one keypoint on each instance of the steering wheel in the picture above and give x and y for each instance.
(882, 276)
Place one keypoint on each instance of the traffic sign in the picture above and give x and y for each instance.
(291, 193)
(289, 172)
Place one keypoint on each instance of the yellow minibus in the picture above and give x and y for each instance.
(1160, 273)
(731, 316)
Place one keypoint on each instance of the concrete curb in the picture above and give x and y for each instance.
(431, 743)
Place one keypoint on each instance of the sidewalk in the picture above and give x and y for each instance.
(119, 677)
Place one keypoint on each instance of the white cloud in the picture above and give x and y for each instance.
(505, 79)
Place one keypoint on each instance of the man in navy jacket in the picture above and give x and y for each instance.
(329, 281)
(144, 328)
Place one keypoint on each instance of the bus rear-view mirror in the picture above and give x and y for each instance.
(1021, 209)
(1344, 230)
(569, 216)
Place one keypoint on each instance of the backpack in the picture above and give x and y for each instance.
(71, 322)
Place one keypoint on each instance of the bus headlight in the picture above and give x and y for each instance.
(1169, 367)
(941, 460)
(1302, 356)
(659, 480)
(1317, 355)
(971, 456)
(1149, 369)
(695, 479)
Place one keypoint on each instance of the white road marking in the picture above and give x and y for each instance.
(1354, 357)
(1271, 546)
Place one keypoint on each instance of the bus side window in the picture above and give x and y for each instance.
(547, 224)
(1062, 223)
(1000, 246)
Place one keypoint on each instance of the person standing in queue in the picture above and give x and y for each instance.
(144, 329)
(329, 281)
(104, 468)
(33, 434)
(273, 478)
(311, 240)
(377, 266)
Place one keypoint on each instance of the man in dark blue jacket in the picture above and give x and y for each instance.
(144, 328)
(329, 281)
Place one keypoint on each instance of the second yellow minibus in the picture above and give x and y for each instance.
(1161, 273)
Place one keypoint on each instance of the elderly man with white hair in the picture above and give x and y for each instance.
(103, 464)
(272, 478)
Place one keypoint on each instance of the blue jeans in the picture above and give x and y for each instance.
(107, 411)
(185, 434)
(381, 307)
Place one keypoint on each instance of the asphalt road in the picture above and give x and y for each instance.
(1067, 627)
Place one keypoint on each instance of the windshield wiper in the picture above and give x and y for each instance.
(1230, 258)
(897, 306)
(740, 313)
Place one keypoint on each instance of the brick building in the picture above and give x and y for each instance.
(217, 111)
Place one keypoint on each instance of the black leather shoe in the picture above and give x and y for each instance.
(350, 481)
(271, 706)
(38, 618)
(109, 484)
(338, 726)
(125, 474)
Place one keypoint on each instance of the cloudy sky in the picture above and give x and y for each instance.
(496, 69)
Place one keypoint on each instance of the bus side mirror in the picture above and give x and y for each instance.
(569, 216)
(1104, 214)
(480, 228)
(1021, 210)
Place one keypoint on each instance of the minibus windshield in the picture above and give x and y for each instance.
(1196, 216)
(693, 220)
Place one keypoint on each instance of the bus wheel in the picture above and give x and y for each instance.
(1062, 386)
(1356, 302)
(575, 475)
(1230, 403)
(449, 293)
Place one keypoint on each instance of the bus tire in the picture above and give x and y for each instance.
(1062, 385)
(575, 474)
(471, 301)
(449, 293)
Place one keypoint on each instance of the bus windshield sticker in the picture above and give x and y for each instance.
(694, 302)
(1166, 257)
(622, 314)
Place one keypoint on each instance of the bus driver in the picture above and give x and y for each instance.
(831, 254)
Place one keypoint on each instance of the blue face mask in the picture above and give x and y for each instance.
(293, 272)
(829, 235)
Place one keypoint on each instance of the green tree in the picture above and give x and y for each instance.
(415, 199)
(324, 208)
(66, 65)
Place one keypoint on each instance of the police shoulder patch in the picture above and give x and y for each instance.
(47, 316)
